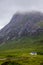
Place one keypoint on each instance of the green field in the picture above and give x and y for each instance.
(20, 50)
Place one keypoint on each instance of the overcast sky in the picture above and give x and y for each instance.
(10, 7)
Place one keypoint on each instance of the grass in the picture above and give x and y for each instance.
(20, 50)
(40, 24)
(26, 59)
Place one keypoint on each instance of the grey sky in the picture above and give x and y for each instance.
(9, 7)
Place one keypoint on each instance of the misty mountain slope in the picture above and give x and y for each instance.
(24, 43)
(23, 24)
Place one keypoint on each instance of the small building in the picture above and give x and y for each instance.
(33, 53)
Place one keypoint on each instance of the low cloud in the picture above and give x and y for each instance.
(9, 7)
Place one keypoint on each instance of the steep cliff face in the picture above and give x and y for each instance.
(22, 24)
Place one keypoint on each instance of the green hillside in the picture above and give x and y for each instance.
(40, 24)
(20, 50)
(24, 42)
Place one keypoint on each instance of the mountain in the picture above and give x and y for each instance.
(22, 24)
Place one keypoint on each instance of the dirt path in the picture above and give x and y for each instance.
(2, 59)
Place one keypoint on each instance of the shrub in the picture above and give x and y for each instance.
(10, 63)
(41, 63)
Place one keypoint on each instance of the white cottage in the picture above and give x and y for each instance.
(33, 53)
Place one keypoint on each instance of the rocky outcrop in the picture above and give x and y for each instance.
(22, 24)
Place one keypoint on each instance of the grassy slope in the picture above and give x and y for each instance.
(40, 24)
(21, 48)
(23, 43)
